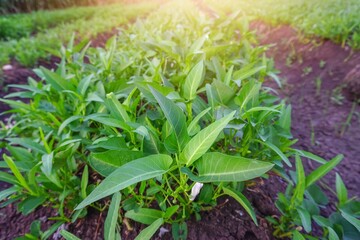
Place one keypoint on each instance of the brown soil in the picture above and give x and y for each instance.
(318, 119)
(317, 123)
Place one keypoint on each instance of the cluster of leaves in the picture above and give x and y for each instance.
(332, 19)
(167, 118)
(303, 200)
(28, 50)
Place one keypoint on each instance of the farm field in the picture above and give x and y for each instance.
(181, 120)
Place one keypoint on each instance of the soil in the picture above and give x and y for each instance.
(318, 116)
(318, 119)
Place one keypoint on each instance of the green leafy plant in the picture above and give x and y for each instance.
(300, 207)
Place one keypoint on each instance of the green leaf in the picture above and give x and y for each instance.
(277, 151)
(67, 122)
(305, 219)
(84, 181)
(7, 192)
(299, 191)
(311, 156)
(351, 219)
(68, 236)
(28, 143)
(238, 196)
(52, 229)
(112, 217)
(116, 109)
(285, 118)
(107, 162)
(192, 128)
(16, 173)
(56, 81)
(247, 92)
(193, 81)
(332, 234)
(30, 204)
(5, 177)
(144, 215)
(341, 190)
(175, 116)
(109, 121)
(202, 141)
(297, 236)
(323, 170)
(257, 109)
(148, 232)
(218, 167)
(128, 174)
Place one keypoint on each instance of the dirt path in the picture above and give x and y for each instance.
(313, 74)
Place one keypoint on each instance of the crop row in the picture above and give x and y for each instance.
(332, 19)
(28, 50)
(171, 113)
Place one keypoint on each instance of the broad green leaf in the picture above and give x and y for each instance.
(7, 192)
(247, 92)
(28, 143)
(218, 167)
(238, 196)
(170, 211)
(332, 234)
(257, 109)
(16, 173)
(5, 177)
(144, 215)
(107, 162)
(285, 118)
(321, 221)
(175, 116)
(112, 143)
(311, 156)
(112, 217)
(351, 219)
(16, 104)
(149, 231)
(116, 109)
(222, 92)
(84, 181)
(109, 121)
(299, 191)
(277, 151)
(323, 170)
(67, 122)
(192, 128)
(341, 190)
(202, 141)
(68, 236)
(128, 174)
(30, 204)
(193, 81)
(56, 81)
(297, 236)
(305, 219)
(246, 72)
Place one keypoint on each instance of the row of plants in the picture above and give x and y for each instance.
(332, 19)
(17, 26)
(28, 50)
(167, 118)
(19, 6)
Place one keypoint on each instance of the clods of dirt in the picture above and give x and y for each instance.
(352, 83)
